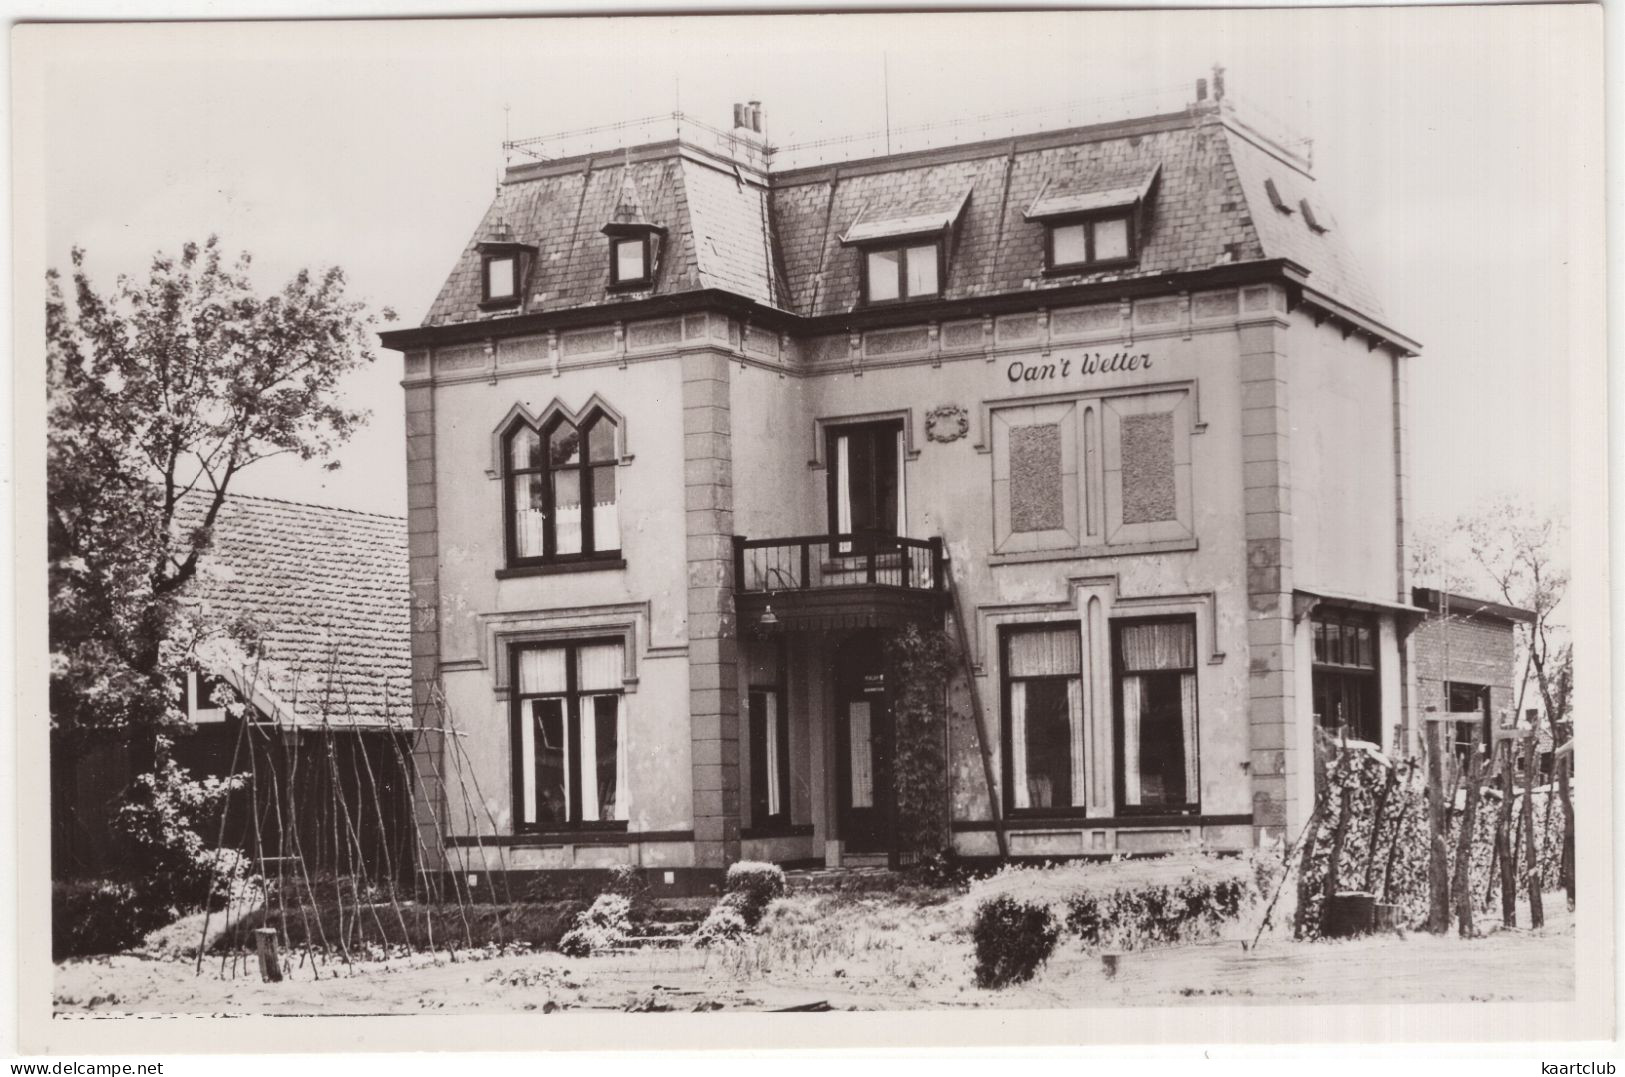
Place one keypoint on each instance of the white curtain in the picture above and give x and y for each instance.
(1187, 707)
(775, 796)
(541, 671)
(1074, 714)
(623, 786)
(902, 504)
(567, 536)
(529, 521)
(589, 757)
(863, 779)
(1158, 646)
(527, 767)
(1131, 740)
(843, 489)
(1018, 746)
(1050, 653)
(598, 667)
(606, 525)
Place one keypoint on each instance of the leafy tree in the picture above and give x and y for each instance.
(1509, 552)
(160, 393)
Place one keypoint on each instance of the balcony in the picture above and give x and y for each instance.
(819, 582)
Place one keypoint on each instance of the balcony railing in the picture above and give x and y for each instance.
(819, 562)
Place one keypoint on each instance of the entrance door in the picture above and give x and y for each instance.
(862, 745)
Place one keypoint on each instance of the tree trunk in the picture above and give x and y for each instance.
(1565, 763)
(1537, 915)
(1438, 854)
(1464, 840)
(1503, 840)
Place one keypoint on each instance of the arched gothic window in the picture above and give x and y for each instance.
(561, 491)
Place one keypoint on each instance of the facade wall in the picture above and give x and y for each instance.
(1344, 470)
(479, 614)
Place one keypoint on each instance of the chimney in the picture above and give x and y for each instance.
(741, 116)
(1201, 89)
(756, 116)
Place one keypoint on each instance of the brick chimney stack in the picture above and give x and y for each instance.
(748, 117)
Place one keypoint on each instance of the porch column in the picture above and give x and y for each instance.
(1277, 768)
(713, 687)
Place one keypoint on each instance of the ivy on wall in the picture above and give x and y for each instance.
(922, 663)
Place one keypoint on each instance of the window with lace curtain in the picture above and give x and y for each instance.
(1157, 758)
(1043, 719)
(570, 749)
(561, 492)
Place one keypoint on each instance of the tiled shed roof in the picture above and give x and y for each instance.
(326, 590)
(777, 239)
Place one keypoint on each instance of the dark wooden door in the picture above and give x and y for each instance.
(863, 735)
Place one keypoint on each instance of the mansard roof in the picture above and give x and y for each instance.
(778, 239)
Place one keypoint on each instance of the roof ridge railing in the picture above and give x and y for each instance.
(1007, 123)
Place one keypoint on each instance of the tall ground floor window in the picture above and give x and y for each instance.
(1157, 757)
(1347, 694)
(1043, 706)
(570, 747)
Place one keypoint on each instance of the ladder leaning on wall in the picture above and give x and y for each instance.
(982, 741)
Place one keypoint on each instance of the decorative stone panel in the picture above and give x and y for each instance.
(1148, 468)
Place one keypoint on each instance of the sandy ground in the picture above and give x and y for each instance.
(891, 957)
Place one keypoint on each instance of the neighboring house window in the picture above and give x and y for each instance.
(570, 750)
(1158, 761)
(630, 261)
(1347, 694)
(1113, 470)
(1043, 711)
(1474, 699)
(501, 275)
(1091, 242)
(866, 480)
(562, 491)
(769, 752)
(893, 274)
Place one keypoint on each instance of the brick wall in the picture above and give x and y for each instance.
(1467, 652)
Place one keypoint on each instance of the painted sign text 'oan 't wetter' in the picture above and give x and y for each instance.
(1082, 364)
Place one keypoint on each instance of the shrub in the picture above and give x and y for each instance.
(753, 885)
(724, 925)
(604, 926)
(164, 822)
(1159, 914)
(99, 917)
(1012, 939)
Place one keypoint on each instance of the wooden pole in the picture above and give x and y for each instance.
(1438, 855)
(1464, 838)
(981, 723)
(265, 945)
(1537, 915)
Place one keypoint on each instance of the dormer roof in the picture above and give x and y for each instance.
(782, 239)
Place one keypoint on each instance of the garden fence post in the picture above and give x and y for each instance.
(265, 944)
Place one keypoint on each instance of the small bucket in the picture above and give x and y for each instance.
(1109, 963)
(1349, 913)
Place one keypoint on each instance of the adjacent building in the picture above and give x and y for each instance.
(689, 435)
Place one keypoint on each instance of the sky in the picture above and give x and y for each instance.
(1460, 148)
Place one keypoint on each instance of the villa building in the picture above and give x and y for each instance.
(689, 434)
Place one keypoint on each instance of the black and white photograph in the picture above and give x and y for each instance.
(1099, 514)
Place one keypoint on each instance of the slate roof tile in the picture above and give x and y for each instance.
(781, 245)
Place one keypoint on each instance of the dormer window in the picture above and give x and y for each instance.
(501, 278)
(629, 260)
(903, 254)
(1092, 242)
(896, 274)
(502, 270)
(1094, 222)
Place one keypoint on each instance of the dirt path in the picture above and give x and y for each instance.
(877, 974)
